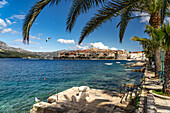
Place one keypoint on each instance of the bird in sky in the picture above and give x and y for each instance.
(37, 100)
(48, 39)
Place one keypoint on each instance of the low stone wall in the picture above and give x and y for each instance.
(147, 102)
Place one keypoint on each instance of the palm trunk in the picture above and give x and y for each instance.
(166, 85)
(157, 61)
(155, 21)
(150, 63)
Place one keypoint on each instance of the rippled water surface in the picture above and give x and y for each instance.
(22, 80)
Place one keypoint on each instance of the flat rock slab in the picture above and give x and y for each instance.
(100, 101)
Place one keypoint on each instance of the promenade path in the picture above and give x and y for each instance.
(162, 105)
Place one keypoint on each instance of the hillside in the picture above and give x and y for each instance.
(11, 52)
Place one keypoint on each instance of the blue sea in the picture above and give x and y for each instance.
(21, 80)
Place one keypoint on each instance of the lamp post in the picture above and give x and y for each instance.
(162, 64)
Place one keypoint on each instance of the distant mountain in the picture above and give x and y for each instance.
(5, 47)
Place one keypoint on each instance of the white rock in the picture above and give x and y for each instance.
(84, 89)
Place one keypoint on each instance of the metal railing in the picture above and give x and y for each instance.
(52, 92)
(128, 88)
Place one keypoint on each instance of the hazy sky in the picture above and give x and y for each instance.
(51, 23)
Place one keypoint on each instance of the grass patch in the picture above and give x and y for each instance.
(141, 87)
(137, 102)
(131, 98)
(160, 93)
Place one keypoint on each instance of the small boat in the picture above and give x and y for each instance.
(108, 63)
(117, 62)
(33, 58)
(94, 59)
(128, 69)
(128, 60)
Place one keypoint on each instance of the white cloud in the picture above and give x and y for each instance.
(39, 34)
(66, 41)
(34, 37)
(144, 19)
(8, 30)
(41, 48)
(18, 40)
(5, 30)
(99, 45)
(3, 3)
(79, 47)
(34, 43)
(18, 17)
(15, 32)
(21, 40)
(3, 23)
(113, 48)
(8, 21)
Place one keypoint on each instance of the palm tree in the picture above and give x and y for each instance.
(160, 38)
(164, 40)
(166, 46)
(156, 9)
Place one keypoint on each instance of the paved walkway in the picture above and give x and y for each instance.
(162, 105)
(151, 83)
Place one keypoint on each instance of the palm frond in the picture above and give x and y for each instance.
(134, 17)
(163, 10)
(80, 6)
(165, 42)
(125, 18)
(32, 15)
(135, 38)
(112, 9)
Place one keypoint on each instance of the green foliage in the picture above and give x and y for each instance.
(139, 92)
(160, 37)
(141, 87)
(147, 44)
(12, 54)
(131, 98)
(160, 93)
(137, 102)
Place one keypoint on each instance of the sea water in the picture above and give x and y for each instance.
(21, 80)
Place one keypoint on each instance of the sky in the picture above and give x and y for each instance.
(51, 22)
